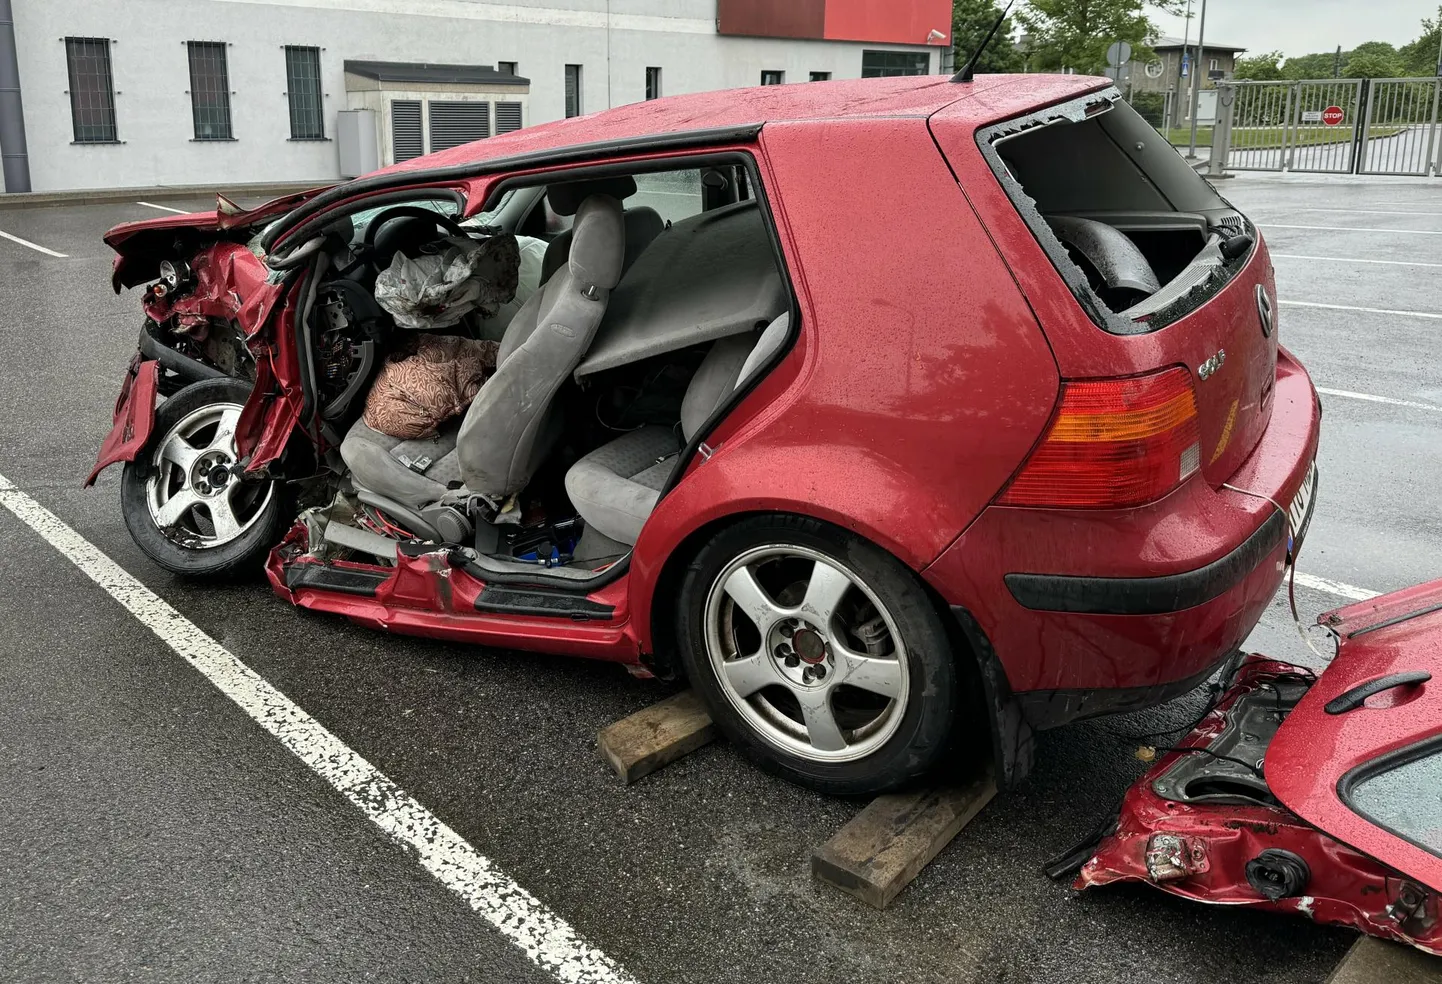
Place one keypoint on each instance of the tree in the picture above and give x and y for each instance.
(1076, 33)
(970, 22)
(1420, 57)
(1265, 67)
(1371, 65)
(1318, 65)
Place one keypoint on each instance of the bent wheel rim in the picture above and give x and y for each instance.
(806, 653)
(192, 499)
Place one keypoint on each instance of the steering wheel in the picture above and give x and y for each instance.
(411, 211)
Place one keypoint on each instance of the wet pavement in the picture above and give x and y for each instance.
(154, 832)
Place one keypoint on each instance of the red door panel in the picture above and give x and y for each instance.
(1361, 756)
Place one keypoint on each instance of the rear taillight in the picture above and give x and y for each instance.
(1113, 442)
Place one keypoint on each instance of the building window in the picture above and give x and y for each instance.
(884, 64)
(302, 83)
(653, 83)
(820, 76)
(1214, 66)
(773, 78)
(209, 90)
(92, 90)
(573, 90)
(406, 136)
(508, 116)
(457, 122)
(506, 68)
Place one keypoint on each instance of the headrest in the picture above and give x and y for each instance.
(566, 199)
(598, 243)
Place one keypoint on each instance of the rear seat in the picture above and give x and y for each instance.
(615, 487)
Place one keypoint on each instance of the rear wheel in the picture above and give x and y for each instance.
(181, 503)
(819, 655)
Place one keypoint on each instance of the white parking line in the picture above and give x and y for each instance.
(547, 939)
(1390, 401)
(1353, 259)
(1390, 232)
(1335, 587)
(1356, 211)
(1364, 310)
(164, 208)
(37, 248)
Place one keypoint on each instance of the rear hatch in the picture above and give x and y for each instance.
(1360, 756)
(1133, 262)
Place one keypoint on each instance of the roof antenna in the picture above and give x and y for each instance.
(969, 69)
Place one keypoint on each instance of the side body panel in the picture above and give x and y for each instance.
(134, 417)
(1321, 747)
(919, 380)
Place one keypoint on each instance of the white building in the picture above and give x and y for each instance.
(140, 93)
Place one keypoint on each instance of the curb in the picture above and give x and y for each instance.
(112, 196)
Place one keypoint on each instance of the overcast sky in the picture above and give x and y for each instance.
(1296, 27)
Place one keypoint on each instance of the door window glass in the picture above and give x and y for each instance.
(1405, 798)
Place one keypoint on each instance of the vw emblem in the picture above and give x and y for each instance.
(1264, 309)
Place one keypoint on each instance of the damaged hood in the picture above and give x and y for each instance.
(1360, 756)
(140, 246)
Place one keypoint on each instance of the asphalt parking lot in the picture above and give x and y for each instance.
(153, 832)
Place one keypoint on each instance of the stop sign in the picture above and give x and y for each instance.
(1332, 115)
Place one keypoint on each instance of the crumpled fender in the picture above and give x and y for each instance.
(227, 276)
(134, 416)
(1200, 850)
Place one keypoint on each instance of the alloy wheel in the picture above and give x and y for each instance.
(193, 497)
(806, 653)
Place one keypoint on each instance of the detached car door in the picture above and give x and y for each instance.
(1360, 757)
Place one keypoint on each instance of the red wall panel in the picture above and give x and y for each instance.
(769, 19)
(881, 21)
(889, 21)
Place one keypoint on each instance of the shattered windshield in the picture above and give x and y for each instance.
(1406, 799)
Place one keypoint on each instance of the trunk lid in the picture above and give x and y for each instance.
(1360, 757)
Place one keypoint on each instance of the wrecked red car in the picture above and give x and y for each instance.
(869, 406)
(1320, 795)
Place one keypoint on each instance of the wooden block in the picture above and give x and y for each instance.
(1374, 961)
(887, 844)
(657, 735)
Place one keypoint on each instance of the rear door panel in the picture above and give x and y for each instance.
(1369, 775)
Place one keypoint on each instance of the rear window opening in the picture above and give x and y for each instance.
(1137, 234)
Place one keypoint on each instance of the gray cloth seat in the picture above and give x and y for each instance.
(615, 487)
(643, 225)
(510, 426)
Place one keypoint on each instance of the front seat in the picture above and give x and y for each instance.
(509, 427)
(616, 486)
(643, 224)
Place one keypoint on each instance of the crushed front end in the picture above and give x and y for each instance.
(1203, 823)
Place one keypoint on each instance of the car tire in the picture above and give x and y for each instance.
(877, 640)
(190, 424)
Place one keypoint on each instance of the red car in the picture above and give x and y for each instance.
(1320, 795)
(872, 407)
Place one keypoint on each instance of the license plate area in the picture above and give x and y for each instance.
(1299, 513)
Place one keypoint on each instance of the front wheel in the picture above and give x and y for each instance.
(819, 654)
(181, 503)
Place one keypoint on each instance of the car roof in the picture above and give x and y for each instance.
(986, 98)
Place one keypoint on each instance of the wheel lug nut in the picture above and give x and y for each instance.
(783, 651)
(819, 671)
(793, 660)
(787, 629)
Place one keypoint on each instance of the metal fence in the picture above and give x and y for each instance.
(1335, 126)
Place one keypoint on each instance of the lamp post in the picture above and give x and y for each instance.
(1196, 89)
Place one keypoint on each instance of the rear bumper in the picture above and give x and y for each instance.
(1091, 611)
